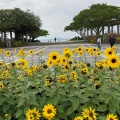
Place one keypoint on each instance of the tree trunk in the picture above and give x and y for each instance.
(87, 32)
(108, 29)
(118, 29)
(91, 31)
(2, 37)
(103, 33)
(112, 29)
(27, 37)
(5, 36)
(84, 33)
(11, 36)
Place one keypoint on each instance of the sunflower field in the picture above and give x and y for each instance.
(66, 86)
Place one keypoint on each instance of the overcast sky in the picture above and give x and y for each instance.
(55, 14)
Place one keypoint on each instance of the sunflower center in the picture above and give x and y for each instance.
(113, 60)
(22, 63)
(111, 119)
(63, 60)
(110, 52)
(49, 111)
(91, 114)
(67, 55)
(54, 57)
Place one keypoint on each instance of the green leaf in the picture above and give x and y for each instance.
(102, 108)
(113, 94)
(42, 101)
(21, 102)
(5, 107)
(60, 109)
(33, 102)
(102, 118)
(11, 101)
(62, 92)
(95, 100)
(112, 108)
(70, 110)
(1, 118)
(63, 115)
(75, 102)
(7, 95)
(51, 92)
(18, 113)
(2, 99)
(26, 109)
(55, 100)
(105, 97)
(115, 102)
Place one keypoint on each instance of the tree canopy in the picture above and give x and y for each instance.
(20, 22)
(95, 17)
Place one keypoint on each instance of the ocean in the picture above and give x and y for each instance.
(52, 40)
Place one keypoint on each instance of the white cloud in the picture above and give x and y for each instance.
(55, 14)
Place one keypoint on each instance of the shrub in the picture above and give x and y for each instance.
(17, 44)
(117, 40)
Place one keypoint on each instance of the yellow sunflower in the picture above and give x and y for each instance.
(62, 78)
(49, 62)
(78, 118)
(1, 63)
(65, 49)
(7, 53)
(94, 49)
(113, 61)
(41, 52)
(73, 75)
(105, 63)
(31, 52)
(98, 53)
(108, 52)
(111, 117)
(87, 50)
(13, 64)
(67, 54)
(63, 60)
(66, 67)
(49, 111)
(84, 71)
(79, 49)
(15, 51)
(81, 53)
(113, 48)
(1, 50)
(85, 113)
(2, 85)
(33, 114)
(21, 53)
(53, 56)
(89, 113)
(22, 63)
(99, 64)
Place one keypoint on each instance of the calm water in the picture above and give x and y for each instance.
(52, 40)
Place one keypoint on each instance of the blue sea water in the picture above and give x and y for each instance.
(52, 40)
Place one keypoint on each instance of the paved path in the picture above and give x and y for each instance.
(49, 48)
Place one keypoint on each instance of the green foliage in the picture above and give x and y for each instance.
(77, 38)
(2, 44)
(20, 22)
(92, 17)
(23, 91)
(17, 44)
(117, 40)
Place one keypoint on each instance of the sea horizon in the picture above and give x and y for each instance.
(52, 40)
